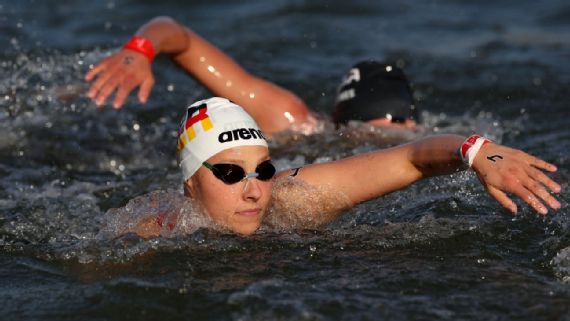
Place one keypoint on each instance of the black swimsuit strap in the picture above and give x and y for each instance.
(295, 171)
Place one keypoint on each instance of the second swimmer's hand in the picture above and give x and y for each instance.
(504, 170)
(121, 73)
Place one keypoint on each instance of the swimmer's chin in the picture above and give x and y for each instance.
(245, 229)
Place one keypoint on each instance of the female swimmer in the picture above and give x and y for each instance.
(227, 169)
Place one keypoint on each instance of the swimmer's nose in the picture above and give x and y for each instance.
(251, 188)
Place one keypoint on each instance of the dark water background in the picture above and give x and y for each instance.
(440, 250)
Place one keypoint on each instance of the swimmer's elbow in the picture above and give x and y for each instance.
(293, 108)
(281, 99)
(168, 25)
(164, 20)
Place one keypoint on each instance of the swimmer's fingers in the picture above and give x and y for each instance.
(123, 91)
(145, 89)
(520, 191)
(543, 179)
(97, 69)
(109, 78)
(516, 172)
(95, 86)
(106, 90)
(93, 72)
(502, 198)
(540, 164)
(535, 168)
(123, 72)
(530, 198)
(513, 179)
(538, 190)
(537, 182)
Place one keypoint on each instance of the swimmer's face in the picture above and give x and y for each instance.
(239, 207)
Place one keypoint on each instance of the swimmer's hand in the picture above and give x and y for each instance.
(504, 170)
(121, 73)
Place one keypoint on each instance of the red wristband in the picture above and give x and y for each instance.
(141, 45)
(470, 148)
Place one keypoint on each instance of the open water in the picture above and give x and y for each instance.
(439, 250)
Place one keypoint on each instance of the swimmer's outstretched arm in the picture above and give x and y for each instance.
(501, 170)
(274, 108)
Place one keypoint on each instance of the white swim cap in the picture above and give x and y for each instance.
(211, 126)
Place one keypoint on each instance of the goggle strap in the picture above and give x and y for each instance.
(208, 166)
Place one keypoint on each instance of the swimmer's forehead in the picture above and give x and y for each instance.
(241, 155)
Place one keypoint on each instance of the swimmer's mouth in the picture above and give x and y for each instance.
(250, 212)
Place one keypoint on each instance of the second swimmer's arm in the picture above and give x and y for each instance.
(274, 108)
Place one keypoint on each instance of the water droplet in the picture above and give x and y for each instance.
(289, 117)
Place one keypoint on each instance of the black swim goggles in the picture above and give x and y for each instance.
(232, 173)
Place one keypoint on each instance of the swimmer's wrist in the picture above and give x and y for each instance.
(141, 45)
(470, 148)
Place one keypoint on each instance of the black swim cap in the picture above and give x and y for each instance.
(373, 90)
